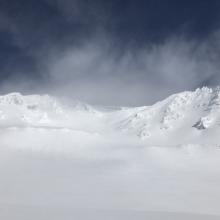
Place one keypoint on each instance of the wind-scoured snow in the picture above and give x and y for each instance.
(70, 160)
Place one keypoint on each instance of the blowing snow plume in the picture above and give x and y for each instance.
(98, 72)
(102, 74)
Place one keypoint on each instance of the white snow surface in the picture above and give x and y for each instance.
(69, 160)
(184, 118)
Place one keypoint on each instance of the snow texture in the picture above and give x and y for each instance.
(62, 160)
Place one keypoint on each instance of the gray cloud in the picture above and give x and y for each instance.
(99, 73)
(107, 53)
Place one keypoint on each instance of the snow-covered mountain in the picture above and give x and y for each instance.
(63, 160)
(41, 111)
(187, 117)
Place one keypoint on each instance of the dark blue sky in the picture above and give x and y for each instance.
(30, 30)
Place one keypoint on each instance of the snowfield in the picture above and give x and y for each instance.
(63, 160)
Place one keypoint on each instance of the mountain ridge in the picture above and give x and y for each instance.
(188, 116)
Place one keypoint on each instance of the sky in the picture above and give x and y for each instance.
(118, 52)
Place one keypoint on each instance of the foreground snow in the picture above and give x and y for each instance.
(75, 161)
(26, 213)
(109, 182)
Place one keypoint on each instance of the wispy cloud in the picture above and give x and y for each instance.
(87, 52)
(98, 72)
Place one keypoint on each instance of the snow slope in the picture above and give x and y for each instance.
(187, 117)
(184, 118)
(63, 160)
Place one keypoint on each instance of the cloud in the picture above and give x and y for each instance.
(97, 72)
(106, 53)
